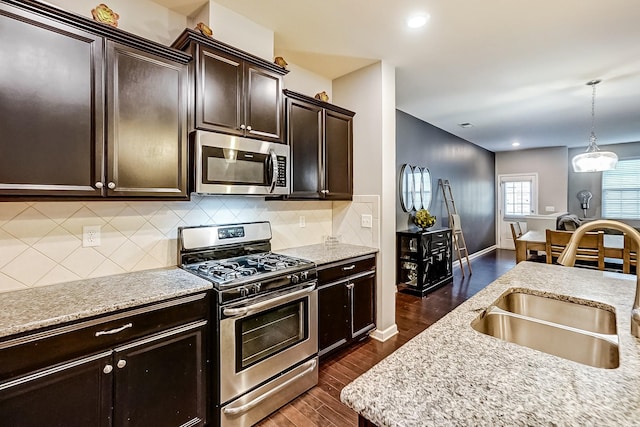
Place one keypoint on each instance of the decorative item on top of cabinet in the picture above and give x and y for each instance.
(321, 139)
(346, 302)
(233, 91)
(53, 144)
(424, 260)
(279, 60)
(145, 366)
(103, 14)
(204, 29)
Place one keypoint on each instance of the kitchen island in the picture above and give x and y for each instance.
(450, 374)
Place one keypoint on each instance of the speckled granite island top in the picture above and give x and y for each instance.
(326, 255)
(30, 309)
(451, 374)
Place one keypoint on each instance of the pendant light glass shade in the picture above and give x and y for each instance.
(594, 160)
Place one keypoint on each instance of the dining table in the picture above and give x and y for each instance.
(535, 240)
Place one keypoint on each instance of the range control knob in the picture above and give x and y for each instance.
(243, 292)
(256, 288)
(295, 278)
(304, 275)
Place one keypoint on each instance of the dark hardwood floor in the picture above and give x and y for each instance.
(321, 405)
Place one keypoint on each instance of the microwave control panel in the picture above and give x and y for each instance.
(282, 172)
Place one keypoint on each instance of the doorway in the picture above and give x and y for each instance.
(517, 197)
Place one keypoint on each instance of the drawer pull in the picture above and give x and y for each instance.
(122, 363)
(349, 286)
(351, 267)
(107, 369)
(114, 331)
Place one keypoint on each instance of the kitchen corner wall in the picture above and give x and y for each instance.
(41, 242)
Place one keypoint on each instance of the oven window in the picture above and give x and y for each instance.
(267, 333)
(228, 166)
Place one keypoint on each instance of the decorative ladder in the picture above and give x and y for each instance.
(455, 224)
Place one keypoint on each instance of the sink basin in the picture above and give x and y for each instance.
(575, 315)
(573, 331)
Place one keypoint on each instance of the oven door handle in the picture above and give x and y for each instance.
(311, 365)
(274, 170)
(272, 302)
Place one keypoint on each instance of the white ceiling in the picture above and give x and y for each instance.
(515, 69)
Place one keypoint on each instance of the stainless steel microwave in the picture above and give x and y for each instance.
(226, 164)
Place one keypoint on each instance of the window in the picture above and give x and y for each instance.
(621, 191)
(517, 198)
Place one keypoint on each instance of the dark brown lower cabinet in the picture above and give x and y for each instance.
(158, 379)
(346, 302)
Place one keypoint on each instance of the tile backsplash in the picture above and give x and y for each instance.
(41, 242)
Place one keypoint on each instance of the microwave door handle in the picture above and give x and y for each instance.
(274, 170)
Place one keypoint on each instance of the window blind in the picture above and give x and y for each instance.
(621, 191)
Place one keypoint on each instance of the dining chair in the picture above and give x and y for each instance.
(629, 255)
(590, 251)
(516, 231)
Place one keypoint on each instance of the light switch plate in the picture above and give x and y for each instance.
(549, 209)
(366, 221)
(90, 236)
(302, 221)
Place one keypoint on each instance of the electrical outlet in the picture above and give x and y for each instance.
(366, 221)
(549, 209)
(302, 221)
(90, 236)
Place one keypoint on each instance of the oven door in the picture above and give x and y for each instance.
(261, 339)
(227, 164)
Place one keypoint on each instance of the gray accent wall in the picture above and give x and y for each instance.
(470, 170)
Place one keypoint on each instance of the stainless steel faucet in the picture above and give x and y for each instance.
(568, 258)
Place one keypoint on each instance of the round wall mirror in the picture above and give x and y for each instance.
(417, 183)
(426, 188)
(406, 188)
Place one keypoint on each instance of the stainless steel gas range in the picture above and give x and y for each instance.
(265, 343)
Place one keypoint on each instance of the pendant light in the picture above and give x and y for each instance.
(594, 160)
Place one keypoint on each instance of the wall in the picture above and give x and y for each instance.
(370, 92)
(142, 17)
(592, 181)
(41, 243)
(551, 166)
(469, 168)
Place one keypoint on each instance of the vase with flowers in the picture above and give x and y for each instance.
(424, 219)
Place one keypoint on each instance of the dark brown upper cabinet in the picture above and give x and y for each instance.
(87, 110)
(321, 139)
(234, 92)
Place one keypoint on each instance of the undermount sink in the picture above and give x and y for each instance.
(572, 330)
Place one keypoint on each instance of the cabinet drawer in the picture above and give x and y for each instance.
(440, 237)
(43, 348)
(347, 268)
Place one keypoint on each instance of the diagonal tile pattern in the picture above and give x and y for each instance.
(41, 242)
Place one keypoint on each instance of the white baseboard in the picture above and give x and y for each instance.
(386, 334)
(475, 255)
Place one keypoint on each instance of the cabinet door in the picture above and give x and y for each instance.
(74, 394)
(263, 103)
(219, 92)
(146, 134)
(51, 114)
(363, 304)
(338, 175)
(304, 122)
(161, 381)
(333, 317)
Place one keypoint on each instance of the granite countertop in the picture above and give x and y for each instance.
(326, 255)
(30, 309)
(451, 374)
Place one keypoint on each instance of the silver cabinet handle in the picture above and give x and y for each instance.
(114, 331)
(351, 267)
(121, 363)
(324, 191)
(249, 128)
(107, 369)
(243, 127)
(349, 286)
(111, 185)
(99, 185)
(252, 404)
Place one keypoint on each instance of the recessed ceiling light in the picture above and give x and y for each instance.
(515, 144)
(417, 21)
(465, 125)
